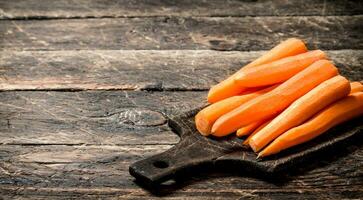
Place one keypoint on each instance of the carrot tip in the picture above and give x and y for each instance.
(262, 154)
(204, 134)
(202, 125)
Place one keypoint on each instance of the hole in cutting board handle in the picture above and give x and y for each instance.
(160, 164)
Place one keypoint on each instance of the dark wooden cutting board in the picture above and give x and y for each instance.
(195, 150)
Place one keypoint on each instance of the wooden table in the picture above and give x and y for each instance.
(86, 87)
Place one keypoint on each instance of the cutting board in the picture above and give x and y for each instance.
(195, 150)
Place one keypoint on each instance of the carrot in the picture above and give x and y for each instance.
(275, 101)
(302, 109)
(206, 117)
(246, 130)
(356, 87)
(338, 112)
(246, 142)
(289, 47)
(253, 89)
(277, 71)
(228, 87)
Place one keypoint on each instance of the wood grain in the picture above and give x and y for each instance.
(177, 70)
(175, 33)
(71, 144)
(109, 117)
(79, 171)
(40, 9)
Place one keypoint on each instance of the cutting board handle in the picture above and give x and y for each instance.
(164, 166)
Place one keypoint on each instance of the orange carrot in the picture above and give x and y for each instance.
(338, 112)
(302, 109)
(228, 87)
(277, 71)
(206, 117)
(246, 130)
(246, 141)
(253, 89)
(289, 47)
(275, 101)
(356, 87)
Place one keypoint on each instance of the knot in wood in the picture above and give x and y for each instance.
(141, 117)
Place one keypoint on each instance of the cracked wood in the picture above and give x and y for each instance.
(193, 33)
(108, 117)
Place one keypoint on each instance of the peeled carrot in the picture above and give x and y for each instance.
(338, 112)
(206, 117)
(356, 87)
(273, 102)
(246, 141)
(277, 71)
(302, 109)
(253, 89)
(289, 47)
(246, 130)
(228, 87)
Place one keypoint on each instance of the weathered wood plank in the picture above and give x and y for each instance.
(109, 117)
(21, 9)
(76, 171)
(115, 193)
(140, 70)
(247, 33)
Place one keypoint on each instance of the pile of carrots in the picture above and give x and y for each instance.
(286, 97)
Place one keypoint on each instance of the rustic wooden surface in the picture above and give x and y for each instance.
(36, 9)
(87, 86)
(165, 33)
